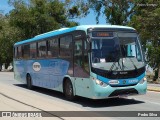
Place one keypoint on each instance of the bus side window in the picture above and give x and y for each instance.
(66, 46)
(15, 53)
(86, 60)
(42, 49)
(78, 52)
(33, 50)
(19, 52)
(53, 48)
(26, 51)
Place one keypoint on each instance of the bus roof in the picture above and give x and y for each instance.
(66, 30)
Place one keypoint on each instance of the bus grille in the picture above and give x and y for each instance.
(123, 85)
(124, 92)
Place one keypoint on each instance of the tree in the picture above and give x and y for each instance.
(76, 8)
(38, 16)
(27, 19)
(117, 12)
(8, 36)
(146, 21)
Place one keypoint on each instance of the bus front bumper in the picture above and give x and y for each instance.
(109, 92)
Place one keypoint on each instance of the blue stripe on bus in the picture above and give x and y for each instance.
(106, 80)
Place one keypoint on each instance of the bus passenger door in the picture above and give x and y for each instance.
(80, 74)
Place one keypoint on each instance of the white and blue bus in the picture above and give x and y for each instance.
(92, 61)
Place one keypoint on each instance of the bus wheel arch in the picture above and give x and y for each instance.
(29, 81)
(68, 89)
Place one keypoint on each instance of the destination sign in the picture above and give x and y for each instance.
(102, 34)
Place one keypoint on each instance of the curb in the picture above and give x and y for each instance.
(155, 90)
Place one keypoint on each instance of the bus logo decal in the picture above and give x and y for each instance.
(113, 82)
(36, 66)
(124, 81)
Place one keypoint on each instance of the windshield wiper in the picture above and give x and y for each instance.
(133, 63)
(114, 63)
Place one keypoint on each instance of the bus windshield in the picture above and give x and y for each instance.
(120, 52)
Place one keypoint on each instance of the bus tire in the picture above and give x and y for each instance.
(68, 90)
(29, 82)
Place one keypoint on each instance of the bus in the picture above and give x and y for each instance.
(92, 61)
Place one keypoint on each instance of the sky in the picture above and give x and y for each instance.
(4, 6)
(88, 20)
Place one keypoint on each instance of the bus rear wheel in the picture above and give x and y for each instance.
(29, 82)
(68, 90)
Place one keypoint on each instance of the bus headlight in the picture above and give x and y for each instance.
(143, 80)
(101, 83)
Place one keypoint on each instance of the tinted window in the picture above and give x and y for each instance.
(15, 52)
(78, 52)
(81, 66)
(53, 48)
(19, 52)
(33, 50)
(26, 51)
(66, 46)
(42, 49)
(86, 61)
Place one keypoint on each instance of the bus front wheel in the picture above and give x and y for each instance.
(68, 90)
(29, 82)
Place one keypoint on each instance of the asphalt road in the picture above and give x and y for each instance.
(148, 102)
